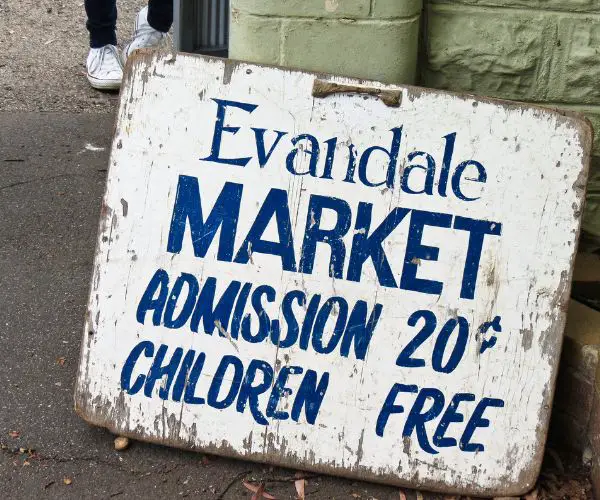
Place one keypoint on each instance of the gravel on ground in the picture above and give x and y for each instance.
(42, 61)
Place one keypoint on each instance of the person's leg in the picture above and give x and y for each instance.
(101, 22)
(160, 14)
(151, 27)
(104, 69)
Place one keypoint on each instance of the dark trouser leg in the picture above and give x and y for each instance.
(160, 14)
(101, 22)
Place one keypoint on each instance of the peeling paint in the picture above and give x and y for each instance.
(125, 207)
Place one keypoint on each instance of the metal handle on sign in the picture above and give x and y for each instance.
(391, 98)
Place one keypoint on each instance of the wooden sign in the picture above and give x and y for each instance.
(333, 275)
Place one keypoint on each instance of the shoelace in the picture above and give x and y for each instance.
(109, 63)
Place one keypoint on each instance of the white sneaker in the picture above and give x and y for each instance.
(144, 35)
(104, 69)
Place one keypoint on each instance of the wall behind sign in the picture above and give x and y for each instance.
(371, 39)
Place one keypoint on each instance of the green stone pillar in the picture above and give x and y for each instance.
(370, 39)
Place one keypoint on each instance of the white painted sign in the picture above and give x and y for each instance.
(336, 276)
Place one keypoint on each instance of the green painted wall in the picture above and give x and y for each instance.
(374, 39)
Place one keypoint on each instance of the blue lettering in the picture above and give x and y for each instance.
(264, 322)
(313, 234)
(310, 396)
(390, 407)
(185, 384)
(190, 389)
(313, 152)
(224, 215)
(477, 421)
(293, 328)
(392, 154)
(332, 303)
(219, 378)
(188, 306)
(238, 313)
(351, 164)
(280, 390)
(449, 141)
(309, 320)
(416, 252)
(450, 415)
(416, 420)
(220, 128)
(457, 177)
(405, 358)
(477, 231)
(158, 371)
(146, 348)
(160, 283)
(249, 393)
(329, 157)
(442, 343)
(214, 317)
(182, 376)
(429, 173)
(360, 330)
(365, 246)
(263, 156)
(275, 204)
